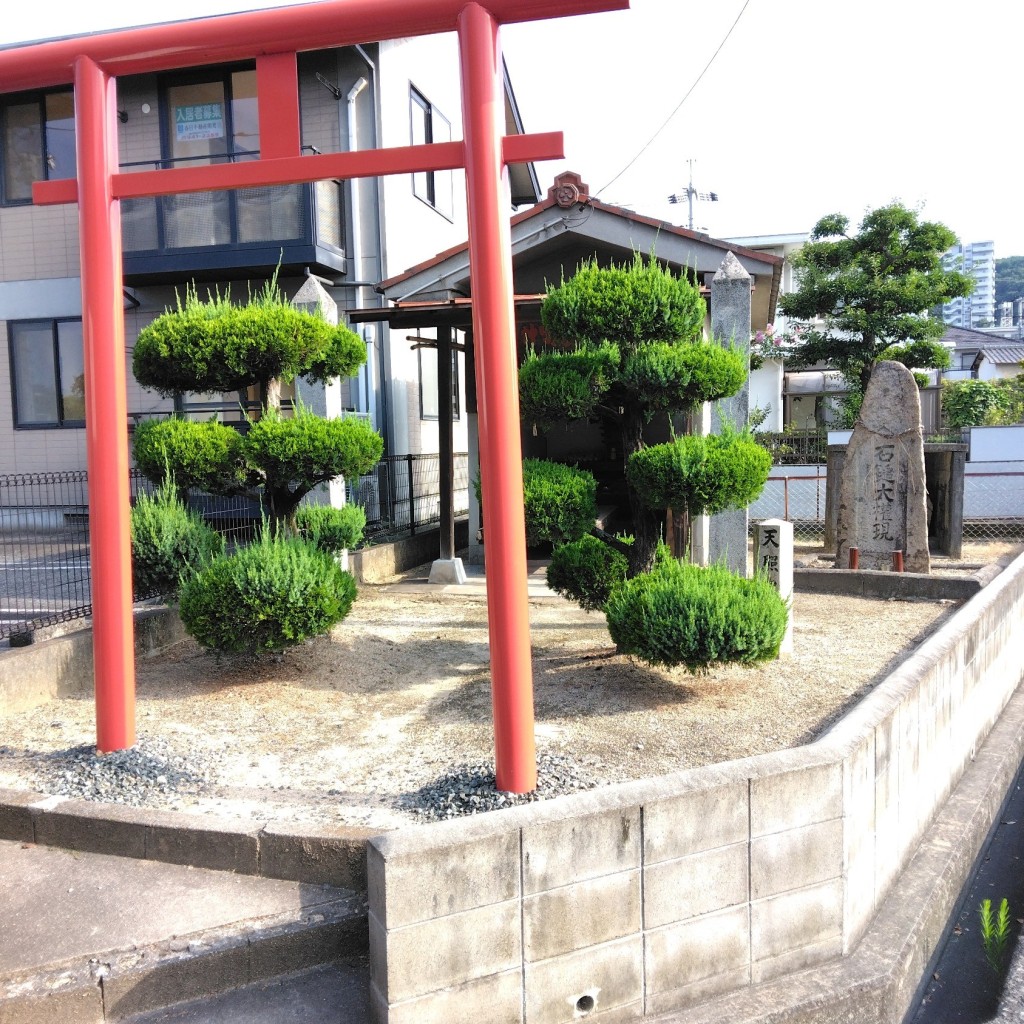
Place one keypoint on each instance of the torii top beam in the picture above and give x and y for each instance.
(230, 37)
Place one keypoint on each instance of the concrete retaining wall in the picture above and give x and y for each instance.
(57, 666)
(651, 896)
(379, 562)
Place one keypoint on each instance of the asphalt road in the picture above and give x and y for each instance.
(963, 988)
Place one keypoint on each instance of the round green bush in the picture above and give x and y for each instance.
(628, 304)
(277, 592)
(665, 376)
(212, 345)
(206, 455)
(169, 543)
(586, 571)
(682, 614)
(559, 386)
(560, 502)
(704, 475)
(331, 529)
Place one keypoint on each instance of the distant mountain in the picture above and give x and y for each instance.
(1009, 278)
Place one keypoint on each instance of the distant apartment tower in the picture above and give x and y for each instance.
(978, 260)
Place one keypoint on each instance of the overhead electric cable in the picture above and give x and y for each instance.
(664, 124)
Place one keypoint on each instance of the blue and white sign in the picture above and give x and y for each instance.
(194, 122)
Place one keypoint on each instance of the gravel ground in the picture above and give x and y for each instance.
(388, 719)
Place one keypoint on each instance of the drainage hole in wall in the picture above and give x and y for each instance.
(584, 1004)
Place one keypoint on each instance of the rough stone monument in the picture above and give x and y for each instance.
(773, 558)
(882, 498)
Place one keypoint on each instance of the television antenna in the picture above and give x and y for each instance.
(691, 193)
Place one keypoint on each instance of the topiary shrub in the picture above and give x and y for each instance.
(586, 571)
(297, 453)
(212, 345)
(639, 301)
(560, 502)
(169, 542)
(331, 529)
(704, 475)
(205, 455)
(559, 386)
(277, 592)
(682, 614)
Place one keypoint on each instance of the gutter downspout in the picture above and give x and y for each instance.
(357, 235)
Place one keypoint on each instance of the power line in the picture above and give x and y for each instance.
(665, 123)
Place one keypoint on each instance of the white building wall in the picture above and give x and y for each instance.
(414, 230)
(766, 393)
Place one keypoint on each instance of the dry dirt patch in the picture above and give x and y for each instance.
(336, 731)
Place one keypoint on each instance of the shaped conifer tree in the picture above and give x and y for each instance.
(213, 345)
(627, 348)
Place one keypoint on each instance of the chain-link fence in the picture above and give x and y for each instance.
(993, 503)
(798, 497)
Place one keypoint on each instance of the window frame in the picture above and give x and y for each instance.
(62, 422)
(436, 184)
(432, 392)
(39, 97)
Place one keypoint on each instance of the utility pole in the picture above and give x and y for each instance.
(691, 193)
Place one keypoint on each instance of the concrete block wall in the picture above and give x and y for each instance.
(645, 897)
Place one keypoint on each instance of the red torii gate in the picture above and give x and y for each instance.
(273, 38)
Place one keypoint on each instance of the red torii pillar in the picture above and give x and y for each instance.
(273, 38)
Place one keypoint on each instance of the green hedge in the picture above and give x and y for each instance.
(560, 502)
(586, 571)
(169, 543)
(277, 592)
(682, 614)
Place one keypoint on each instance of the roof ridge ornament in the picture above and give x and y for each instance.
(568, 190)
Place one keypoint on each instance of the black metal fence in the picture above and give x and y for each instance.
(795, 448)
(810, 447)
(402, 493)
(44, 529)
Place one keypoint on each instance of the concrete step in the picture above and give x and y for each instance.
(92, 937)
(335, 994)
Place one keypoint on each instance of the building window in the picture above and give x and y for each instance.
(37, 142)
(428, 383)
(47, 373)
(429, 125)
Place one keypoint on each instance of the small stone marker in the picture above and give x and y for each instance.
(773, 559)
(882, 498)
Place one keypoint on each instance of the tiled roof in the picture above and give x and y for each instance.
(1003, 355)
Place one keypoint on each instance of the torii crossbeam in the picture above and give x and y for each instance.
(273, 38)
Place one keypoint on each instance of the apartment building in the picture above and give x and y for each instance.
(978, 260)
(349, 235)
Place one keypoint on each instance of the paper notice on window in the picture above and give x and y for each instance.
(197, 121)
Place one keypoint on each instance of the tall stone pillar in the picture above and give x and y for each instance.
(730, 324)
(323, 399)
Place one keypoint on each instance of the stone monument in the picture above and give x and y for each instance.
(773, 558)
(882, 499)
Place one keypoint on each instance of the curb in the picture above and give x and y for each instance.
(136, 979)
(332, 855)
(902, 586)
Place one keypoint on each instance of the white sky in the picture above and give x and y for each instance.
(811, 107)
